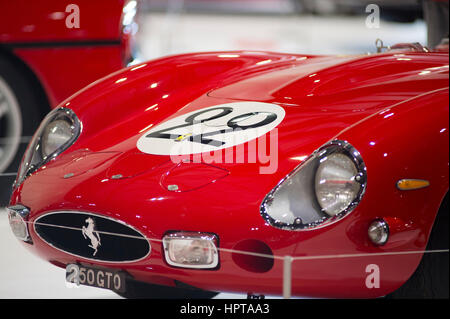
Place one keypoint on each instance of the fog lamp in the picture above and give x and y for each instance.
(17, 220)
(379, 232)
(191, 250)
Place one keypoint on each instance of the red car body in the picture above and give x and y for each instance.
(37, 35)
(392, 107)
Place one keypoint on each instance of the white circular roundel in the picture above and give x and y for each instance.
(212, 128)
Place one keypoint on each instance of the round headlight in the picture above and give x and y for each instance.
(321, 190)
(56, 134)
(336, 183)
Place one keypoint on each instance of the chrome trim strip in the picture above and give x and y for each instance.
(325, 150)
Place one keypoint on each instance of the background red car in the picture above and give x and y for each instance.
(48, 51)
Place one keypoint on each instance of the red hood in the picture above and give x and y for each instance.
(321, 95)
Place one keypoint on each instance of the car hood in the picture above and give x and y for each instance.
(321, 96)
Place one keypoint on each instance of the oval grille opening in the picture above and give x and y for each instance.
(92, 236)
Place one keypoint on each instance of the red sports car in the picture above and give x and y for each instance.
(234, 171)
(48, 51)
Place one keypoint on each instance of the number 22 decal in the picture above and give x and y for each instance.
(212, 128)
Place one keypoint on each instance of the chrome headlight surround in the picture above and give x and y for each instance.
(35, 156)
(298, 189)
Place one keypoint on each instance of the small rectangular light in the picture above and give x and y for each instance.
(16, 216)
(191, 250)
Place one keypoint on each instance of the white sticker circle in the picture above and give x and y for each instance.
(212, 128)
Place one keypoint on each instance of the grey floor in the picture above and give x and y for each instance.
(23, 275)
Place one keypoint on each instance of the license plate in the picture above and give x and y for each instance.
(95, 277)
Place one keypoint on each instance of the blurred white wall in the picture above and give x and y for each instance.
(179, 28)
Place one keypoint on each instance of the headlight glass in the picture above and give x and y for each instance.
(323, 189)
(55, 134)
(18, 226)
(191, 250)
(335, 184)
(59, 130)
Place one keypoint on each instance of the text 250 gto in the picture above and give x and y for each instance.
(206, 170)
